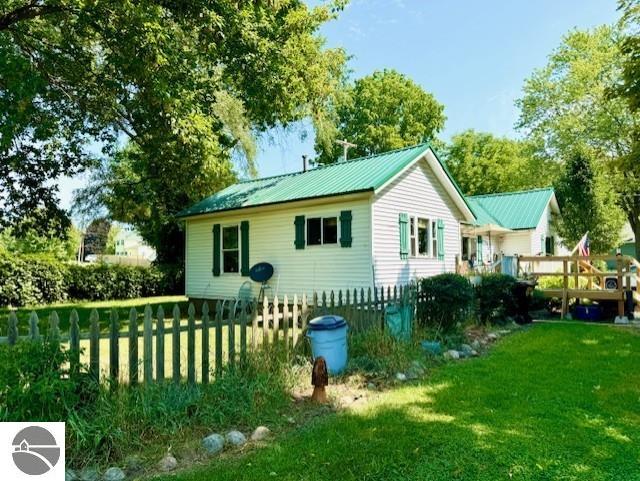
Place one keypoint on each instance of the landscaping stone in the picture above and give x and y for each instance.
(114, 474)
(168, 463)
(415, 371)
(452, 354)
(476, 344)
(236, 438)
(70, 475)
(213, 444)
(400, 376)
(133, 465)
(89, 474)
(371, 386)
(466, 348)
(492, 336)
(474, 353)
(260, 434)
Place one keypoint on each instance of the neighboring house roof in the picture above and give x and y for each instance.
(357, 175)
(513, 210)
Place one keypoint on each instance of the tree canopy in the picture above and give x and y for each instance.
(482, 163)
(382, 111)
(569, 103)
(186, 85)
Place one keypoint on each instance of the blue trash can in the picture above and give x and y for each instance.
(328, 337)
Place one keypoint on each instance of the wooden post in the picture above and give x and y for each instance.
(305, 312)
(12, 328)
(369, 309)
(265, 321)
(133, 346)
(114, 347)
(219, 312)
(295, 321)
(160, 344)
(576, 274)
(254, 325)
(565, 287)
(74, 343)
(276, 320)
(191, 344)
(94, 345)
(54, 327)
(34, 330)
(231, 332)
(147, 345)
(285, 322)
(175, 345)
(620, 286)
(205, 343)
(243, 332)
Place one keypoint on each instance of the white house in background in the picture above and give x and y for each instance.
(129, 244)
(374, 221)
(523, 226)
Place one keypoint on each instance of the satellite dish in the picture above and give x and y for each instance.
(261, 272)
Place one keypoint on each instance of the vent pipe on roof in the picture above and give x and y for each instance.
(304, 163)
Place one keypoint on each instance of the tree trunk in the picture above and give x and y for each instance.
(634, 220)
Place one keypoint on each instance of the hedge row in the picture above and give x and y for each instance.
(448, 300)
(29, 280)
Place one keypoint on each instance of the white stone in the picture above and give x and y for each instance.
(213, 444)
(235, 438)
(452, 354)
(400, 376)
(168, 463)
(260, 434)
(621, 320)
(114, 474)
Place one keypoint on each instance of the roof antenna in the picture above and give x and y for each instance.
(304, 163)
(345, 146)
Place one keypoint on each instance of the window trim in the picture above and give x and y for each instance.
(223, 250)
(322, 218)
(432, 237)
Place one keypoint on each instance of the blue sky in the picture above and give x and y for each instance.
(472, 55)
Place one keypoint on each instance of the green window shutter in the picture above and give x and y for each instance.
(440, 239)
(345, 228)
(244, 247)
(548, 248)
(216, 249)
(479, 249)
(299, 223)
(404, 235)
(553, 246)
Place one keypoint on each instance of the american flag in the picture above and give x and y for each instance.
(583, 246)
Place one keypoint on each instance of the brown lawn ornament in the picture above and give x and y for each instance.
(319, 380)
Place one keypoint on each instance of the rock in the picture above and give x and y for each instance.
(133, 465)
(474, 353)
(452, 354)
(70, 475)
(291, 420)
(114, 474)
(213, 444)
(492, 336)
(621, 320)
(260, 434)
(90, 473)
(168, 463)
(371, 386)
(400, 376)
(504, 332)
(476, 345)
(235, 438)
(466, 348)
(415, 371)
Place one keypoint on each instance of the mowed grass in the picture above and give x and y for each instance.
(554, 402)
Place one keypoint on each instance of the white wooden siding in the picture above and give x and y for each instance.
(271, 239)
(416, 192)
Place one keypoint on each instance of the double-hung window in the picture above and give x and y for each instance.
(231, 249)
(422, 237)
(322, 230)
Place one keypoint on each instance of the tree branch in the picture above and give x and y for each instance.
(27, 12)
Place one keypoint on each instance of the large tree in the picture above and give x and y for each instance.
(569, 102)
(185, 85)
(482, 163)
(380, 112)
(588, 202)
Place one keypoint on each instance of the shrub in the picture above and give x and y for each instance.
(495, 298)
(449, 301)
(31, 280)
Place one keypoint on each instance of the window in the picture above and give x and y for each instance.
(322, 230)
(230, 249)
(422, 232)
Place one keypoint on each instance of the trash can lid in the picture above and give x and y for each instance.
(327, 323)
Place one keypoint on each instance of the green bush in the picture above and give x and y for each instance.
(446, 301)
(32, 279)
(495, 298)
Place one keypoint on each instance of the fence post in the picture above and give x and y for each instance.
(363, 316)
(620, 288)
(285, 322)
(147, 339)
(231, 332)
(54, 327)
(370, 318)
(219, 309)
(191, 344)
(265, 320)
(243, 332)
(565, 287)
(254, 324)
(294, 326)
(160, 344)
(114, 347)
(12, 328)
(276, 319)
(94, 345)
(175, 344)
(34, 330)
(74, 342)
(205, 343)
(133, 346)
(305, 312)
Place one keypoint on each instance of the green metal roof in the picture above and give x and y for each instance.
(356, 175)
(513, 210)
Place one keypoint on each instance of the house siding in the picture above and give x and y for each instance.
(271, 239)
(416, 192)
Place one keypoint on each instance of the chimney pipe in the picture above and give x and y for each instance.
(304, 163)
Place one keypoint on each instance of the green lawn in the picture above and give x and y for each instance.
(84, 309)
(556, 402)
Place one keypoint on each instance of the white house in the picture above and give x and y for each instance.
(521, 224)
(129, 244)
(374, 221)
